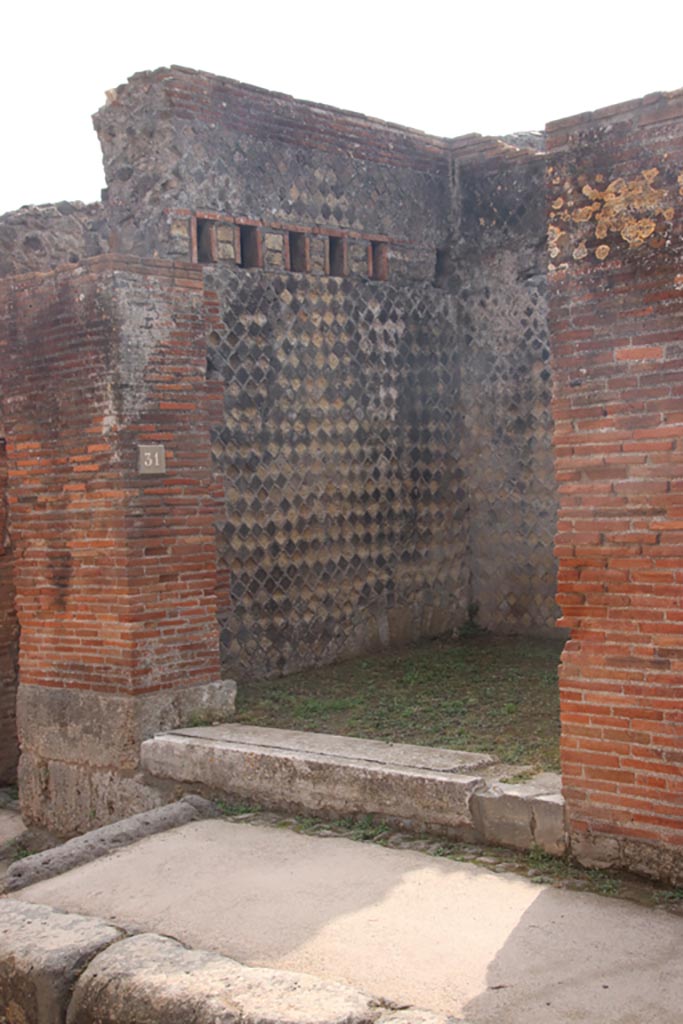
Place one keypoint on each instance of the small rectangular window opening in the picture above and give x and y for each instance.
(250, 246)
(337, 260)
(441, 266)
(206, 241)
(379, 261)
(298, 252)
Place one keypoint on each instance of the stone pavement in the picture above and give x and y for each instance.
(450, 937)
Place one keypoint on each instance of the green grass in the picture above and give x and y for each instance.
(670, 897)
(481, 693)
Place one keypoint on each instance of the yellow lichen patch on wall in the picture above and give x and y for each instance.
(628, 208)
(585, 213)
(555, 235)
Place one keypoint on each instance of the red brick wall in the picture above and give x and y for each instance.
(616, 304)
(116, 575)
(9, 751)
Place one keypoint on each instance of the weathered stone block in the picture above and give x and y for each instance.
(72, 798)
(180, 229)
(549, 828)
(158, 980)
(503, 819)
(42, 953)
(522, 815)
(595, 850)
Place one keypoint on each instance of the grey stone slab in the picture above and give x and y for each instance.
(549, 827)
(522, 815)
(157, 980)
(315, 782)
(503, 819)
(102, 841)
(42, 953)
(398, 755)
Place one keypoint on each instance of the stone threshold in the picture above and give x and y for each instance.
(421, 788)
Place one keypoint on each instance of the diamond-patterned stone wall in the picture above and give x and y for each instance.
(345, 508)
(385, 447)
(506, 393)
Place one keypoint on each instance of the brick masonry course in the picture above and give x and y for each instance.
(616, 305)
(115, 587)
(9, 640)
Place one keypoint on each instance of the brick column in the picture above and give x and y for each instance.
(9, 749)
(115, 569)
(616, 302)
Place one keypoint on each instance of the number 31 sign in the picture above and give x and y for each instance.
(151, 458)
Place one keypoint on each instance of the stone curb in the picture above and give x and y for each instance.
(60, 968)
(42, 955)
(105, 840)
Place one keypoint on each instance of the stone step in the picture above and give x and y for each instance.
(337, 776)
(322, 774)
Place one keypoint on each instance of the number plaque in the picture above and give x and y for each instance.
(151, 458)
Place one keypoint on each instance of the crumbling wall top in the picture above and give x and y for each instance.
(40, 238)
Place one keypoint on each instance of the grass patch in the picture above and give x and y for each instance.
(20, 852)
(229, 810)
(479, 692)
(670, 897)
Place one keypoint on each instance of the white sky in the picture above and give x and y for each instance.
(447, 68)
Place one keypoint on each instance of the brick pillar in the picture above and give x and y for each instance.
(9, 748)
(616, 302)
(115, 569)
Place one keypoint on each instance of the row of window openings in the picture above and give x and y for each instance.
(251, 253)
